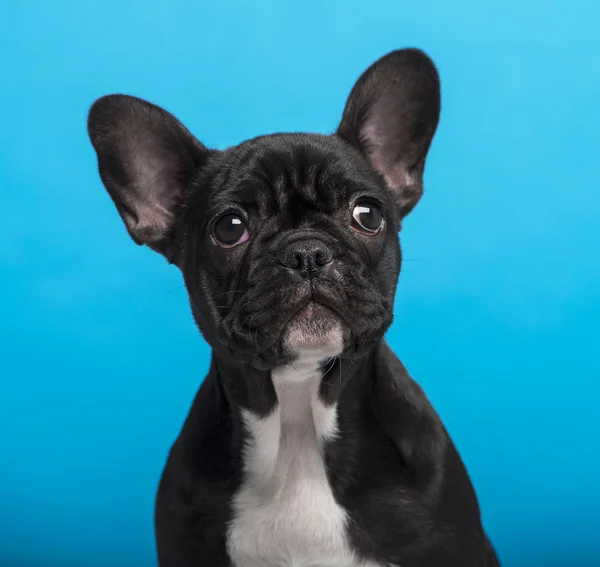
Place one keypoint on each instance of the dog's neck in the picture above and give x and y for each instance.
(258, 391)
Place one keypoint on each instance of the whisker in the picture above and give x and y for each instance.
(298, 371)
(175, 289)
(332, 361)
(331, 365)
(230, 292)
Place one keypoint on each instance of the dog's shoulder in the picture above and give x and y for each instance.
(408, 418)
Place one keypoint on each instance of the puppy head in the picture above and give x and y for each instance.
(287, 243)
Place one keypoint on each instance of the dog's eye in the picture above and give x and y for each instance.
(230, 231)
(367, 218)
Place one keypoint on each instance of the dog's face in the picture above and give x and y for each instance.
(288, 243)
(292, 251)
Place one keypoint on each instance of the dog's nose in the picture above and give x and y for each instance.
(307, 258)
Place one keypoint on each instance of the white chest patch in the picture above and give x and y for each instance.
(285, 514)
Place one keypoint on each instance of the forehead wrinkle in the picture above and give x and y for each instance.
(309, 192)
(306, 183)
(268, 169)
(249, 181)
(288, 174)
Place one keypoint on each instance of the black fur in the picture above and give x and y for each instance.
(393, 467)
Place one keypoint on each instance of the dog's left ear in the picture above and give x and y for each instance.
(391, 116)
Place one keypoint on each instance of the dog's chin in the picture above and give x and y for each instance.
(314, 333)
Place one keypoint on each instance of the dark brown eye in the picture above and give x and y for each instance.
(230, 231)
(367, 218)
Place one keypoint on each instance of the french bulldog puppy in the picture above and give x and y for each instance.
(308, 444)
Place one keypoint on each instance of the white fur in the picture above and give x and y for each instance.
(285, 514)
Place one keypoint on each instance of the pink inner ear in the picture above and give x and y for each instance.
(152, 222)
(155, 191)
(396, 174)
(406, 188)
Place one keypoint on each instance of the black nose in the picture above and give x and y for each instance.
(307, 258)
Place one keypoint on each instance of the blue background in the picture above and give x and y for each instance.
(499, 301)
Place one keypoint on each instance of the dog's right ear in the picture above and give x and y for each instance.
(146, 159)
(391, 117)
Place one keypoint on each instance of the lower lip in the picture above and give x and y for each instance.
(314, 308)
(309, 309)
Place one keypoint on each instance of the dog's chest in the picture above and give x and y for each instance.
(285, 514)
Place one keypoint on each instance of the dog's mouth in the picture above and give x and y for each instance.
(311, 321)
(315, 330)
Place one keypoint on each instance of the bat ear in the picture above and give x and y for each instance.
(391, 116)
(146, 160)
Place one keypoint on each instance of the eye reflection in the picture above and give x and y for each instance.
(367, 218)
(230, 230)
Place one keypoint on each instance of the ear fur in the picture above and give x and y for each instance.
(391, 116)
(146, 159)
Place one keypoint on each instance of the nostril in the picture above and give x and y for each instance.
(322, 257)
(292, 259)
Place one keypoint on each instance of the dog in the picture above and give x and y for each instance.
(308, 444)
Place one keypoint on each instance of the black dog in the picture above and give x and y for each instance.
(308, 444)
